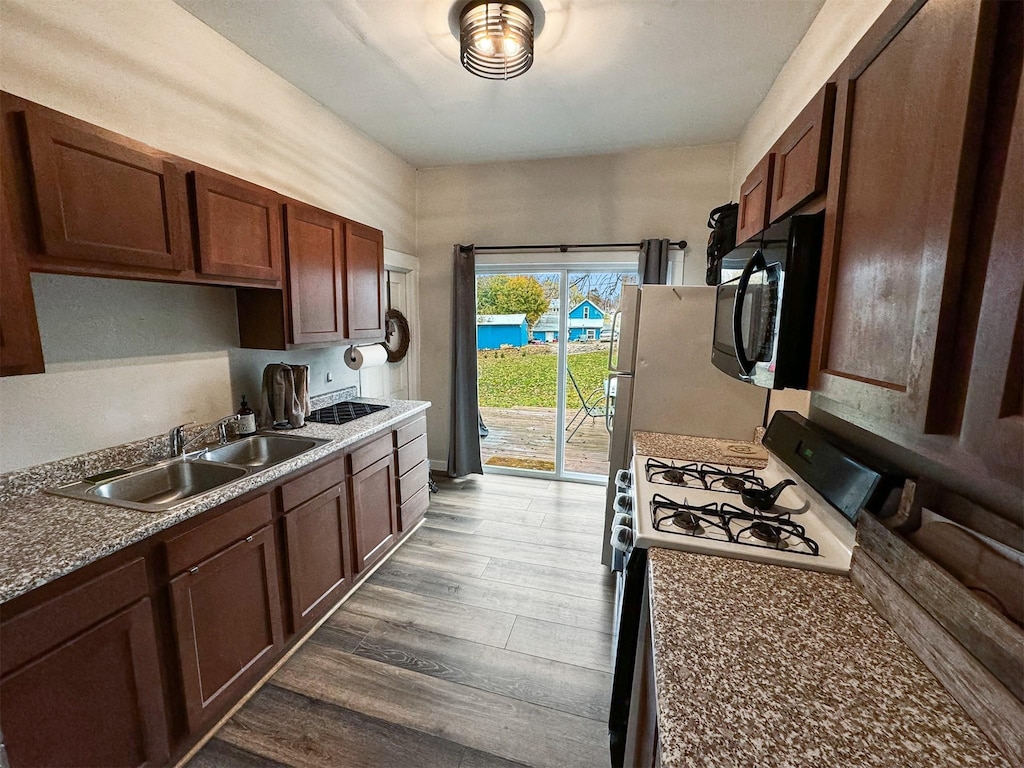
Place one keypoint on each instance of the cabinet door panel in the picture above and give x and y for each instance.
(20, 348)
(95, 700)
(801, 155)
(227, 615)
(993, 426)
(896, 220)
(105, 202)
(316, 271)
(755, 194)
(364, 253)
(239, 229)
(374, 513)
(319, 564)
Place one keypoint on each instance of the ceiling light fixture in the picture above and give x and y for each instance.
(496, 39)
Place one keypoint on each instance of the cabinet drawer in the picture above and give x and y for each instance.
(413, 509)
(412, 481)
(411, 454)
(227, 622)
(363, 457)
(408, 432)
(304, 488)
(45, 626)
(186, 550)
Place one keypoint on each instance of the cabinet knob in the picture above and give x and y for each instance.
(248, 538)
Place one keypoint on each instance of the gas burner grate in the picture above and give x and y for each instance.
(706, 476)
(343, 412)
(725, 522)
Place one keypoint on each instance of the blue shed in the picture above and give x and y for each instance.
(495, 331)
(585, 321)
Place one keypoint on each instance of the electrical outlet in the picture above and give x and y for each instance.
(330, 377)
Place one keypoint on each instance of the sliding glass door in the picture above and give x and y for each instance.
(543, 336)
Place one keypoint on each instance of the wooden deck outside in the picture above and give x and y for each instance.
(525, 437)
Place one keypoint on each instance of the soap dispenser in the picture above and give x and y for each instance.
(246, 420)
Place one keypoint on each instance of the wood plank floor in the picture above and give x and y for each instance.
(528, 433)
(483, 642)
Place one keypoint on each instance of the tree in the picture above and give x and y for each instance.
(511, 295)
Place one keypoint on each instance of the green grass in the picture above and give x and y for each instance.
(519, 377)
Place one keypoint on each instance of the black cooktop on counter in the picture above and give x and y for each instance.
(344, 412)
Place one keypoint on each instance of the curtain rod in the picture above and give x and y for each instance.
(563, 247)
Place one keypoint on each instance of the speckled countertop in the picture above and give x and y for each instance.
(45, 537)
(759, 665)
(737, 453)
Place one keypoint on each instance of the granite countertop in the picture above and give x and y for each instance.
(761, 665)
(46, 537)
(737, 453)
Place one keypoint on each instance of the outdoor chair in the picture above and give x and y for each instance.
(593, 405)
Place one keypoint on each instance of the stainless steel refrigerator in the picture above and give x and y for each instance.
(662, 379)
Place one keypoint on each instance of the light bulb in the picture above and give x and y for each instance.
(510, 46)
(484, 45)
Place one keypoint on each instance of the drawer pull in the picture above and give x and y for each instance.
(194, 569)
(248, 538)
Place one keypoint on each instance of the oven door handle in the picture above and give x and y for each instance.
(746, 366)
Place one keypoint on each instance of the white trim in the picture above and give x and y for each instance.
(396, 261)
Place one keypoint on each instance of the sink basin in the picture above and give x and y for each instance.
(163, 486)
(261, 451)
(166, 485)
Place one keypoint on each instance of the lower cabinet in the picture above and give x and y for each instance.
(132, 666)
(227, 618)
(319, 560)
(374, 513)
(81, 681)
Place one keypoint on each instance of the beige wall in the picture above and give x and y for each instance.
(125, 359)
(831, 36)
(608, 198)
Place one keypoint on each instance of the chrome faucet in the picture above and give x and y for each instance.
(179, 445)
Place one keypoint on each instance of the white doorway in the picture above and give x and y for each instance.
(399, 380)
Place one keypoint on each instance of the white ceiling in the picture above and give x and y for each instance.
(608, 74)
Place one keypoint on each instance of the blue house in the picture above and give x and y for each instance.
(496, 331)
(585, 321)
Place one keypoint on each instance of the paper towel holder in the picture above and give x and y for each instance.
(350, 356)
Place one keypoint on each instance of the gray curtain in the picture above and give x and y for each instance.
(464, 430)
(654, 262)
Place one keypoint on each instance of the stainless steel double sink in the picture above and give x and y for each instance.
(164, 485)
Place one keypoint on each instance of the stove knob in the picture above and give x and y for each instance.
(621, 518)
(624, 479)
(623, 503)
(622, 538)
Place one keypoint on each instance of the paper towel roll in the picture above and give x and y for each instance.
(369, 356)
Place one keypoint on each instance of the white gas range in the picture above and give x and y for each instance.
(700, 507)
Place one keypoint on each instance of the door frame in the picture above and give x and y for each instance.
(508, 264)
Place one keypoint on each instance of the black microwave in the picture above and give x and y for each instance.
(764, 316)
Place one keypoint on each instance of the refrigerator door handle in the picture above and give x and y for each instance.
(611, 392)
(611, 342)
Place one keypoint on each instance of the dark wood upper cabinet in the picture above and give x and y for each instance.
(104, 202)
(909, 118)
(374, 511)
(227, 620)
(801, 155)
(993, 421)
(364, 281)
(319, 559)
(238, 228)
(81, 680)
(20, 349)
(755, 195)
(315, 274)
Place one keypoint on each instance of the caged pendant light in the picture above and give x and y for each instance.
(496, 39)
